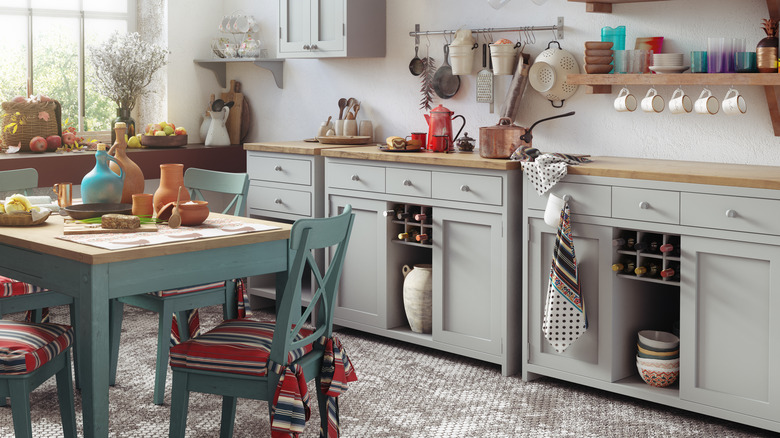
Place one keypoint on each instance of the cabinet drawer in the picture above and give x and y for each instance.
(353, 177)
(283, 170)
(408, 182)
(585, 199)
(753, 215)
(279, 200)
(646, 205)
(468, 188)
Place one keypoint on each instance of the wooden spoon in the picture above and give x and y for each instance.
(342, 105)
(175, 220)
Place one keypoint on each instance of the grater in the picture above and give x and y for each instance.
(485, 81)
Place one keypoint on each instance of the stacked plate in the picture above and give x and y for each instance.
(668, 63)
(658, 357)
(598, 57)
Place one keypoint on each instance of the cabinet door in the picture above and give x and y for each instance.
(590, 354)
(729, 325)
(469, 279)
(362, 289)
(294, 25)
(328, 25)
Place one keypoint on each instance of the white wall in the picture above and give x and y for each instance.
(390, 95)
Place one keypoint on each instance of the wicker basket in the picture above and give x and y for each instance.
(37, 119)
(20, 219)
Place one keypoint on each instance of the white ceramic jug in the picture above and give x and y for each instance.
(204, 127)
(417, 295)
(218, 135)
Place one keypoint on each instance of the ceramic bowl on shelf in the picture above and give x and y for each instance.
(658, 339)
(656, 376)
(649, 354)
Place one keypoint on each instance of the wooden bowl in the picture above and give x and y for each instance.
(598, 45)
(597, 69)
(21, 219)
(590, 52)
(598, 60)
(163, 141)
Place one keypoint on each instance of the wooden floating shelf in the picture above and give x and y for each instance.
(766, 79)
(219, 67)
(605, 6)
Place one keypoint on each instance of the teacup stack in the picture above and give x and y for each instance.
(598, 57)
(658, 357)
(668, 60)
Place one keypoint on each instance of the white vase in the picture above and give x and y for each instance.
(218, 135)
(418, 288)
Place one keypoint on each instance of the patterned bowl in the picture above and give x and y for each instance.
(658, 377)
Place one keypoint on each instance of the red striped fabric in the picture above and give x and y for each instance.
(25, 347)
(10, 288)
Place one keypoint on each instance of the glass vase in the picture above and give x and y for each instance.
(122, 115)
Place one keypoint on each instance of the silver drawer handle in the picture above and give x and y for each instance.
(407, 182)
(306, 47)
(314, 47)
(278, 201)
(355, 178)
(731, 213)
(465, 188)
(278, 168)
(644, 205)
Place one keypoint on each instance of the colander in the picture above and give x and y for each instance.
(549, 71)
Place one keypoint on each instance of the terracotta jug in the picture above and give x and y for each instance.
(171, 178)
(134, 176)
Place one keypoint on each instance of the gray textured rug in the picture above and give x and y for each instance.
(403, 391)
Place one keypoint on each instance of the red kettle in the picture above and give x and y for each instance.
(440, 124)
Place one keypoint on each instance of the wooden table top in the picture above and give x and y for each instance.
(456, 159)
(43, 238)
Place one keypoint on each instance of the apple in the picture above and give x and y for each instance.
(38, 144)
(18, 99)
(53, 142)
(180, 131)
(68, 138)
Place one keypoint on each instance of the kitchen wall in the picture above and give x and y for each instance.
(390, 95)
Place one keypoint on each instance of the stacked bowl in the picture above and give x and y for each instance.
(598, 57)
(668, 63)
(658, 357)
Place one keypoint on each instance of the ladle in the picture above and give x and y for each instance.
(217, 105)
(175, 220)
(416, 66)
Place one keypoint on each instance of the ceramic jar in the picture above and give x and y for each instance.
(134, 176)
(171, 178)
(417, 294)
(218, 134)
(101, 185)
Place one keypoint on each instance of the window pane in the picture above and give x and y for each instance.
(13, 63)
(70, 5)
(13, 3)
(105, 5)
(56, 63)
(99, 110)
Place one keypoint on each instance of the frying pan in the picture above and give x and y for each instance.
(445, 84)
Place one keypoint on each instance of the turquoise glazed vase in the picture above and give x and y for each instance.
(101, 184)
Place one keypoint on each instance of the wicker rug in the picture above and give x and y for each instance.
(402, 391)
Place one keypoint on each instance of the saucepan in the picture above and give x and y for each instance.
(501, 140)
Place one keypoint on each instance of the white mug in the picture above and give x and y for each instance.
(338, 127)
(706, 103)
(350, 127)
(653, 102)
(734, 104)
(681, 103)
(625, 101)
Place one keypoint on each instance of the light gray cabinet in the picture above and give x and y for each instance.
(331, 28)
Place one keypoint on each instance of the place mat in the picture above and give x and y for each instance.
(164, 234)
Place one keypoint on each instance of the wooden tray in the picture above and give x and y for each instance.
(344, 139)
(167, 141)
(20, 219)
(72, 227)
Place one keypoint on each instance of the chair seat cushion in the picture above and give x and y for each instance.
(10, 287)
(25, 347)
(239, 346)
(186, 290)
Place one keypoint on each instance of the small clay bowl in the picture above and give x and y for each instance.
(598, 45)
(193, 212)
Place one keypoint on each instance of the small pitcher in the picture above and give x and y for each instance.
(218, 135)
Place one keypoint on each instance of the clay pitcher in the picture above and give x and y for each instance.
(171, 177)
(418, 287)
(134, 176)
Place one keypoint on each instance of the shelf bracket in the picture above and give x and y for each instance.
(219, 68)
(276, 68)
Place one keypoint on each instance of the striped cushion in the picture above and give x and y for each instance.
(10, 287)
(186, 290)
(239, 346)
(25, 347)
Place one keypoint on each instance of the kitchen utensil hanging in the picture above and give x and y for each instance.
(549, 72)
(485, 80)
(445, 84)
(416, 66)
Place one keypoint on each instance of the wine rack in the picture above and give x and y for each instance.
(658, 253)
(414, 224)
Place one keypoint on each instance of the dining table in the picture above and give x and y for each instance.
(94, 275)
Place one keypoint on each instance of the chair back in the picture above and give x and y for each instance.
(236, 184)
(18, 180)
(306, 236)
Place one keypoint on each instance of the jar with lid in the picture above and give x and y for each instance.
(249, 48)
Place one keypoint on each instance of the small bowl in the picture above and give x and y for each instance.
(657, 377)
(598, 45)
(657, 354)
(661, 364)
(658, 339)
(193, 212)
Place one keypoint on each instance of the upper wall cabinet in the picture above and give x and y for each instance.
(331, 28)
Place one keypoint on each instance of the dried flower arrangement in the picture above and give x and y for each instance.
(124, 67)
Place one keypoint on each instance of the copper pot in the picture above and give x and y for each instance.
(501, 140)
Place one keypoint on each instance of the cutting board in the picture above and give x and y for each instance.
(79, 228)
(234, 118)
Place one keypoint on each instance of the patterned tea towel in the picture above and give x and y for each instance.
(564, 313)
(544, 170)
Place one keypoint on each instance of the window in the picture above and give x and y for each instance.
(44, 46)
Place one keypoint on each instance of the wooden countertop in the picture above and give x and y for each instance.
(294, 147)
(695, 172)
(456, 159)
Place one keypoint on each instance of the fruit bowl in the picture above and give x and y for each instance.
(163, 141)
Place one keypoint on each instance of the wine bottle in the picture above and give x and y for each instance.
(619, 242)
(649, 269)
(641, 246)
(672, 272)
(422, 237)
(409, 236)
(420, 217)
(625, 266)
(388, 213)
(666, 247)
(403, 236)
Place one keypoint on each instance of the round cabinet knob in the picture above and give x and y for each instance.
(566, 198)
(644, 205)
(407, 182)
(314, 47)
(306, 47)
(278, 201)
(355, 178)
(278, 168)
(731, 213)
(465, 188)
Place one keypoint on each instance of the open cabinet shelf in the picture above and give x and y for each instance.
(219, 67)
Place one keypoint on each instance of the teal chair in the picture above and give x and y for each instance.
(31, 354)
(181, 301)
(248, 359)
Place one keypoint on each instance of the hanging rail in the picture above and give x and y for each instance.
(557, 28)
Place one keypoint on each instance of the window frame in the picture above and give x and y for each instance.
(130, 17)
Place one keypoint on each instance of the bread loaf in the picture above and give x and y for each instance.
(120, 221)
